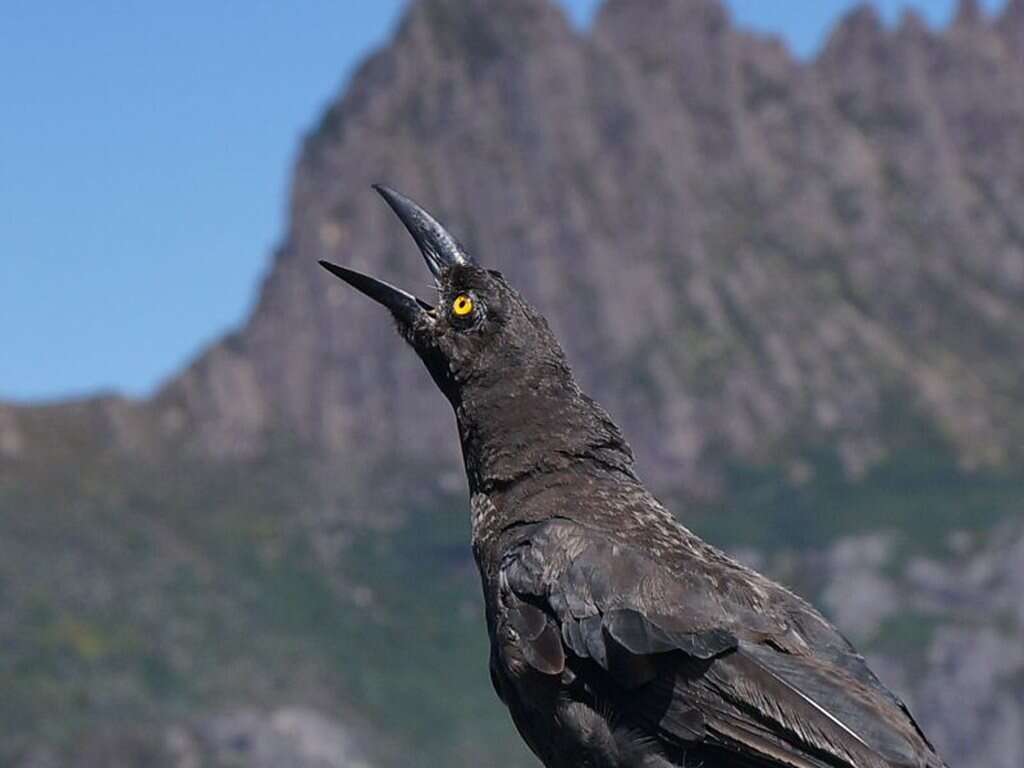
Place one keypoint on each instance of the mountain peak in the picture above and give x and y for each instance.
(482, 30)
(665, 16)
(912, 25)
(859, 30)
(968, 13)
(1010, 24)
(861, 19)
(1014, 11)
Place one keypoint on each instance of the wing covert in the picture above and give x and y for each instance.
(600, 595)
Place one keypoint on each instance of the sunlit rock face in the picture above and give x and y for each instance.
(746, 256)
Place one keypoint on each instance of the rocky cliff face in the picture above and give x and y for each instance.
(744, 254)
(751, 260)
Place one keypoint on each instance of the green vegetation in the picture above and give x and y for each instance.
(923, 496)
(157, 594)
(167, 592)
(905, 636)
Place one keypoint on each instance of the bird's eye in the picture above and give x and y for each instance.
(462, 305)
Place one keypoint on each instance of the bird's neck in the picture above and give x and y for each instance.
(521, 438)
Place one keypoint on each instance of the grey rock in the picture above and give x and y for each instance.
(284, 738)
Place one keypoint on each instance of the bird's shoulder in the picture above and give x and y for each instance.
(656, 558)
(673, 577)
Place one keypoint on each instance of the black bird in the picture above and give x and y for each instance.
(619, 639)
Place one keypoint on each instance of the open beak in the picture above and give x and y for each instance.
(440, 250)
(404, 306)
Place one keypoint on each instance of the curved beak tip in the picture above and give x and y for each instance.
(439, 248)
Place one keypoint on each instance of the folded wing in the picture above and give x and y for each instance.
(691, 667)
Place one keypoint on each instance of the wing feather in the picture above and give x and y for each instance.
(697, 670)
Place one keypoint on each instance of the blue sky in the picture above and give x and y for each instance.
(145, 152)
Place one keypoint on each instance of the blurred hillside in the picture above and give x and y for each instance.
(799, 287)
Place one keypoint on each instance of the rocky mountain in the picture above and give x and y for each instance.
(799, 287)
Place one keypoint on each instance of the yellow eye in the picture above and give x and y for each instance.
(462, 305)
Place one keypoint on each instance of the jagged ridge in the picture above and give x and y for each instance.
(745, 255)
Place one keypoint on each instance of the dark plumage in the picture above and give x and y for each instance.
(618, 637)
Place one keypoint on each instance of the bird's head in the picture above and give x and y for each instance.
(496, 360)
(479, 332)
